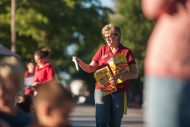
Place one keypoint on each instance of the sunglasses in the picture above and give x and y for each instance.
(110, 36)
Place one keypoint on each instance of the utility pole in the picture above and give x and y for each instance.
(13, 35)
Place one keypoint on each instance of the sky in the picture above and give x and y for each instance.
(108, 3)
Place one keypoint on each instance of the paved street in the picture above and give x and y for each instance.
(84, 116)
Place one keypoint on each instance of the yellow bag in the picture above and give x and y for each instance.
(125, 103)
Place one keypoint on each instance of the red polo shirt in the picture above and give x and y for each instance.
(44, 74)
(104, 54)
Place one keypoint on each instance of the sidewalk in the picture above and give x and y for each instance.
(84, 116)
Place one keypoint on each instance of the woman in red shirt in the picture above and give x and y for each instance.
(44, 70)
(110, 108)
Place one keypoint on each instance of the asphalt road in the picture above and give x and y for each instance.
(84, 116)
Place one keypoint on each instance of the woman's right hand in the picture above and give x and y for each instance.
(75, 60)
(86, 67)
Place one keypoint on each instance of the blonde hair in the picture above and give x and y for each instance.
(114, 29)
(12, 72)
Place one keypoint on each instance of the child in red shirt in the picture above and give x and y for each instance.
(29, 73)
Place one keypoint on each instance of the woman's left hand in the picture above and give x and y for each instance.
(113, 80)
(34, 84)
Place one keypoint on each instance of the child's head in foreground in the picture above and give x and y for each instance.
(53, 104)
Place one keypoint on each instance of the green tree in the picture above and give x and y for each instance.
(54, 24)
(60, 25)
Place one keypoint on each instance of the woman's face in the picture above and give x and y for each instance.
(37, 59)
(111, 39)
